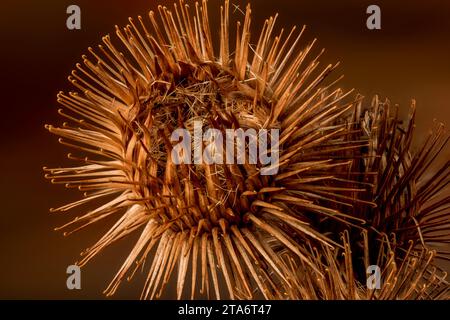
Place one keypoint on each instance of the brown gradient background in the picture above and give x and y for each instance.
(408, 58)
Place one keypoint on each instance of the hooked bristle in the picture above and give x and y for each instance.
(340, 173)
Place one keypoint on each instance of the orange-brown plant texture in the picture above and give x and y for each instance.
(349, 191)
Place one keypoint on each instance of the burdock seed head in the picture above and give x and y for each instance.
(225, 229)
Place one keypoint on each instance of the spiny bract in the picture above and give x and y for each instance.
(237, 233)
